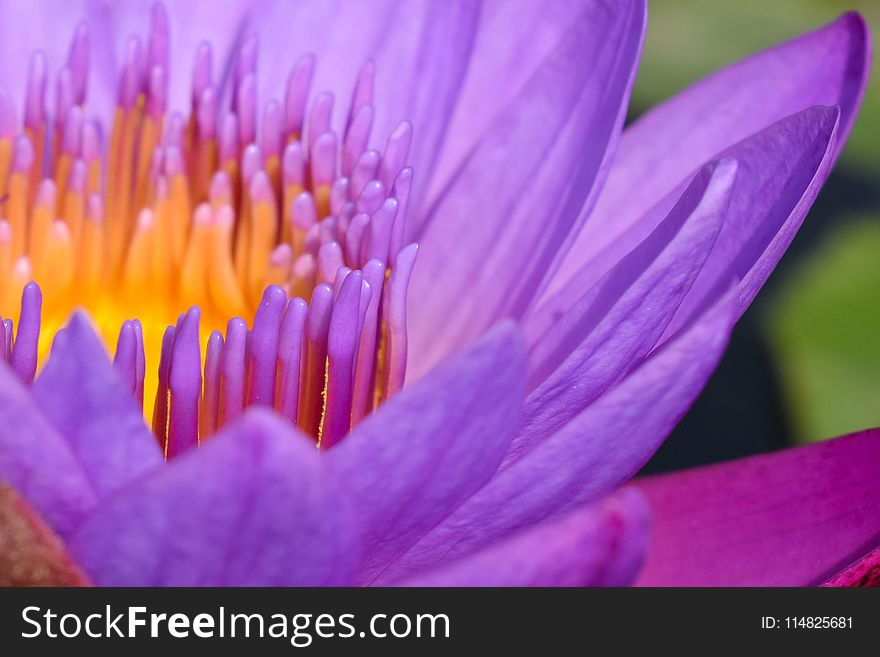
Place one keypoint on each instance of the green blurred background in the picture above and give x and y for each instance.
(804, 361)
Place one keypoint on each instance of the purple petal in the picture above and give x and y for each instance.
(580, 349)
(512, 43)
(86, 400)
(780, 171)
(38, 462)
(825, 67)
(601, 545)
(432, 445)
(190, 23)
(792, 518)
(254, 506)
(592, 455)
(420, 51)
(497, 228)
(48, 26)
(786, 167)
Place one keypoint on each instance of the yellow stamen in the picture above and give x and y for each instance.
(93, 179)
(41, 223)
(62, 176)
(322, 201)
(72, 213)
(16, 208)
(122, 144)
(205, 166)
(151, 128)
(137, 262)
(59, 267)
(91, 269)
(262, 240)
(193, 272)
(180, 213)
(5, 162)
(223, 285)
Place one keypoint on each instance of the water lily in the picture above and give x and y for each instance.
(483, 301)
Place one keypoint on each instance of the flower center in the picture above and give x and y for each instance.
(273, 219)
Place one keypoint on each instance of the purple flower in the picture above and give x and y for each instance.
(574, 290)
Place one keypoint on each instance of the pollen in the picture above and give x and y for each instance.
(234, 254)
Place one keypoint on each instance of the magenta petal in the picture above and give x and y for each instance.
(592, 455)
(432, 445)
(825, 67)
(579, 349)
(254, 506)
(600, 545)
(862, 573)
(791, 518)
(83, 396)
(38, 462)
(499, 226)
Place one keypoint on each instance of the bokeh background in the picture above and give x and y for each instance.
(804, 361)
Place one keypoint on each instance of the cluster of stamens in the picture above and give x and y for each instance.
(268, 216)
